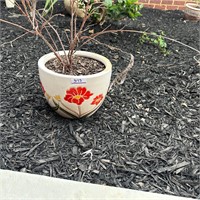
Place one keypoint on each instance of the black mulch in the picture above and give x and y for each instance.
(144, 137)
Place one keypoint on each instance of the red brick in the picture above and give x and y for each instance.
(172, 7)
(181, 7)
(179, 2)
(143, 1)
(149, 6)
(160, 7)
(156, 1)
(165, 4)
(169, 2)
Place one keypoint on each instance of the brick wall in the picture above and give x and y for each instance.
(164, 4)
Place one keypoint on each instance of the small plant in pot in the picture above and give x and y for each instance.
(74, 82)
(109, 9)
(192, 10)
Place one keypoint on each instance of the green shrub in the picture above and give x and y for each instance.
(122, 8)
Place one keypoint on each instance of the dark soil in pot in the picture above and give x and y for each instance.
(80, 66)
(144, 137)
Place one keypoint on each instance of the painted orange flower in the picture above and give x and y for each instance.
(97, 99)
(77, 95)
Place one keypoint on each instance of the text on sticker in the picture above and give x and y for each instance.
(78, 81)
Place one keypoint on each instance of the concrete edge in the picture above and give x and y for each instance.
(24, 186)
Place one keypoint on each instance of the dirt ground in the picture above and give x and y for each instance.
(146, 134)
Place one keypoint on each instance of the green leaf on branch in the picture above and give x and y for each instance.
(156, 40)
(123, 8)
(108, 2)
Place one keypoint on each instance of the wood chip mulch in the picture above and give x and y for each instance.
(144, 137)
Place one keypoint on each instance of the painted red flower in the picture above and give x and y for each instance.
(77, 95)
(97, 99)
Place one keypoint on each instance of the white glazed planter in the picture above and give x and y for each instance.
(192, 11)
(75, 96)
(80, 12)
(10, 3)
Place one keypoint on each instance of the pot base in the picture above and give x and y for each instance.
(191, 18)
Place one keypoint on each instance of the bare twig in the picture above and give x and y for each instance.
(33, 12)
(120, 78)
(18, 26)
(49, 20)
(135, 31)
(59, 39)
(52, 40)
(10, 42)
(24, 12)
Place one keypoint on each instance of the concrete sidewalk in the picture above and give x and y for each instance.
(23, 186)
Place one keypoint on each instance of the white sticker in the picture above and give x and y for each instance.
(78, 81)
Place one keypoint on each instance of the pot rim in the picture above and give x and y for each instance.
(45, 58)
(192, 6)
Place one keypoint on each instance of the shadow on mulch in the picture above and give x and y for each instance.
(144, 137)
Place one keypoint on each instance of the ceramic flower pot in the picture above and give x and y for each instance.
(192, 11)
(10, 3)
(79, 7)
(79, 11)
(75, 96)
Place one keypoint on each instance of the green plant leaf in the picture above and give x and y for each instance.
(108, 2)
